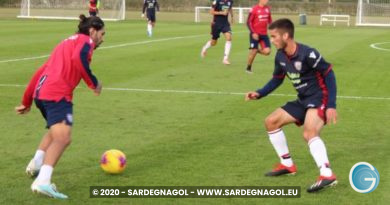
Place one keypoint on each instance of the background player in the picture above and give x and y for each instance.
(52, 90)
(258, 19)
(94, 7)
(220, 10)
(150, 7)
(314, 80)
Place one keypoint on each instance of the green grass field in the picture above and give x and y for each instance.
(186, 138)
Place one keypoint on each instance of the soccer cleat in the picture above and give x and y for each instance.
(322, 182)
(49, 190)
(32, 170)
(281, 169)
(226, 62)
(249, 71)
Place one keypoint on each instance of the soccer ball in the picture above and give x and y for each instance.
(113, 161)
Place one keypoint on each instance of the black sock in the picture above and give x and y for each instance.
(249, 67)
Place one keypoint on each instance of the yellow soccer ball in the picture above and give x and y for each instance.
(113, 161)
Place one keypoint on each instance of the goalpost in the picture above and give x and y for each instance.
(111, 10)
(373, 13)
(203, 12)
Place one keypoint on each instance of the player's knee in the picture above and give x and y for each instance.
(267, 51)
(213, 43)
(271, 123)
(309, 133)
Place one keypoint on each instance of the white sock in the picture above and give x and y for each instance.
(207, 46)
(44, 176)
(38, 157)
(150, 29)
(318, 151)
(278, 140)
(228, 46)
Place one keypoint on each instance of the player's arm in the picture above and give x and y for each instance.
(157, 5)
(270, 17)
(317, 62)
(275, 82)
(82, 62)
(144, 8)
(214, 12)
(231, 12)
(249, 24)
(29, 92)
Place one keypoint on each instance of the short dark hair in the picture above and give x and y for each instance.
(283, 24)
(89, 22)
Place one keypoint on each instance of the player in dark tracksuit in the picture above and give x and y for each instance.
(150, 7)
(220, 10)
(314, 80)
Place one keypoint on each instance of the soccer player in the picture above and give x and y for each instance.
(258, 19)
(51, 88)
(150, 7)
(94, 7)
(314, 80)
(220, 10)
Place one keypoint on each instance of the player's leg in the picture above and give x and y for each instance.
(311, 133)
(291, 112)
(265, 45)
(36, 163)
(251, 58)
(61, 138)
(215, 32)
(151, 18)
(274, 123)
(253, 47)
(92, 13)
(228, 44)
(59, 121)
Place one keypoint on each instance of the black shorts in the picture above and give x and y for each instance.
(151, 16)
(92, 13)
(55, 112)
(263, 40)
(217, 28)
(298, 108)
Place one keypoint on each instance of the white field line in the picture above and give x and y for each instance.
(211, 92)
(376, 46)
(116, 46)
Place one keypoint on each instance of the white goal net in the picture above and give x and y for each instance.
(202, 14)
(70, 9)
(373, 13)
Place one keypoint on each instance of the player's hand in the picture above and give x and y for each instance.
(21, 109)
(98, 89)
(255, 36)
(224, 12)
(252, 96)
(142, 15)
(331, 115)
